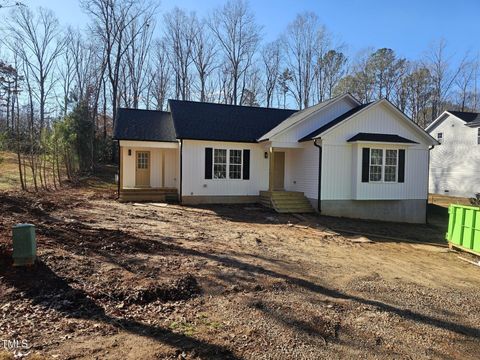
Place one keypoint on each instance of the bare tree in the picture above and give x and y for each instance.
(302, 38)
(160, 76)
(238, 34)
(38, 38)
(111, 25)
(271, 56)
(179, 39)
(439, 64)
(137, 57)
(203, 55)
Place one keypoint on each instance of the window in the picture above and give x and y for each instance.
(376, 162)
(142, 160)
(440, 137)
(478, 136)
(220, 164)
(227, 159)
(235, 166)
(383, 165)
(391, 163)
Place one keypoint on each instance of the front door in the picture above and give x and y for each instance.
(279, 171)
(142, 172)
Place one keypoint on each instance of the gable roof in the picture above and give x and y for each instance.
(144, 125)
(220, 122)
(304, 114)
(332, 123)
(374, 137)
(468, 117)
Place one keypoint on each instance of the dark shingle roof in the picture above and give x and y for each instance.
(468, 117)
(144, 125)
(390, 138)
(332, 123)
(208, 121)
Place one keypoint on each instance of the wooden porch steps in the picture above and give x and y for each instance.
(286, 201)
(149, 194)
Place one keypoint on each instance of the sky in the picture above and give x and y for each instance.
(409, 27)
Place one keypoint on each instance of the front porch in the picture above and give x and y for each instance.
(286, 201)
(279, 196)
(149, 171)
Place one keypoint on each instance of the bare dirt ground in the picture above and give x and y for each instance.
(119, 281)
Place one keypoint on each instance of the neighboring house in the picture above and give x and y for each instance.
(340, 157)
(455, 163)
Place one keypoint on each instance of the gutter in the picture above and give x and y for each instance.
(319, 196)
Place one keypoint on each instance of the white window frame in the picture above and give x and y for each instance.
(440, 137)
(217, 163)
(396, 166)
(227, 177)
(382, 166)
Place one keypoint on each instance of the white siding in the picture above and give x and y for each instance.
(314, 121)
(341, 171)
(171, 166)
(194, 182)
(301, 169)
(455, 164)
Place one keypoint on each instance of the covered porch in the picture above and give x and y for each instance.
(149, 171)
(281, 194)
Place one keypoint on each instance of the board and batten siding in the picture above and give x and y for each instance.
(301, 169)
(455, 163)
(341, 170)
(193, 174)
(314, 121)
(171, 165)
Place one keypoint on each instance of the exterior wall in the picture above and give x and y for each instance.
(343, 193)
(410, 211)
(170, 168)
(314, 121)
(193, 171)
(301, 169)
(341, 171)
(455, 164)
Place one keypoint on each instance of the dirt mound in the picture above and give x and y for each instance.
(180, 289)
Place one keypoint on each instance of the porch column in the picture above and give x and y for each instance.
(120, 170)
(271, 168)
(163, 168)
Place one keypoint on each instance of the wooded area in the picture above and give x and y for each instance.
(60, 87)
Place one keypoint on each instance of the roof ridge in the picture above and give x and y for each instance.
(232, 105)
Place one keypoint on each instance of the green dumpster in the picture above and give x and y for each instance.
(464, 228)
(24, 245)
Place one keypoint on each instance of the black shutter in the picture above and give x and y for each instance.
(208, 163)
(401, 166)
(365, 164)
(246, 164)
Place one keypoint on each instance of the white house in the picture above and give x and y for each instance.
(455, 163)
(339, 157)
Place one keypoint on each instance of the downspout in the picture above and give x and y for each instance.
(181, 171)
(119, 170)
(319, 196)
(428, 182)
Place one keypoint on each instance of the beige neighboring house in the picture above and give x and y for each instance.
(339, 157)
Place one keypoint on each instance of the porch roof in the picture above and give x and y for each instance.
(144, 125)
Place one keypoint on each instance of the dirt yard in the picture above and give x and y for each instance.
(125, 281)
